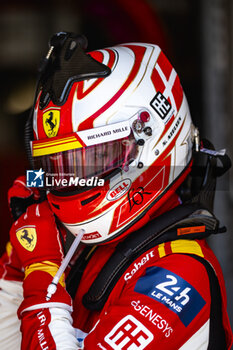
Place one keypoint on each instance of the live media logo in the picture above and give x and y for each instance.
(35, 178)
(38, 178)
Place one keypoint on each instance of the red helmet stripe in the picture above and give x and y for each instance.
(162, 76)
(165, 65)
(138, 51)
(157, 81)
(177, 92)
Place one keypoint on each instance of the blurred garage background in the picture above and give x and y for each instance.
(196, 35)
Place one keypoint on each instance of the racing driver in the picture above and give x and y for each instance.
(117, 162)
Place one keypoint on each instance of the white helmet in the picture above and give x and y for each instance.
(123, 128)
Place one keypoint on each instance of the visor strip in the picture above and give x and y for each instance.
(45, 147)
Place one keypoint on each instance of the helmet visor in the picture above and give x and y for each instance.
(96, 160)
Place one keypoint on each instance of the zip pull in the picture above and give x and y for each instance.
(53, 285)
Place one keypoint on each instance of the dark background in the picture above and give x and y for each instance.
(196, 35)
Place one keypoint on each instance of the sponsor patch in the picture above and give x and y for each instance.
(173, 291)
(153, 317)
(27, 237)
(190, 230)
(105, 133)
(161, 105)
(88, 236)
(138, 265)
(51, 122)
(118, 190)
(129, 333)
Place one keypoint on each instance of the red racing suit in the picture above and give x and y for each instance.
(161, 301)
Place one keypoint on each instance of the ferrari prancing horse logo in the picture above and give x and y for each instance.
(27, 238)
(51, 121)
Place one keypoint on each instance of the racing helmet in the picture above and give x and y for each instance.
(113, 133)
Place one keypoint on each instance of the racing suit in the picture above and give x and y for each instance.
(162, 300)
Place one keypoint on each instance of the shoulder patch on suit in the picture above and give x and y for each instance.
(27, 237)
(173, 291)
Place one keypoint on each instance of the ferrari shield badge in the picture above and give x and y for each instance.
(51, 121)
(27, 237)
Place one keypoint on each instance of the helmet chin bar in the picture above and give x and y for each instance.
(96, 232)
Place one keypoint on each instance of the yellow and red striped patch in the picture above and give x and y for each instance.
(55, 145)
(181, 246)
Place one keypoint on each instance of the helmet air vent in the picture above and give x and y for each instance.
(67, 63)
